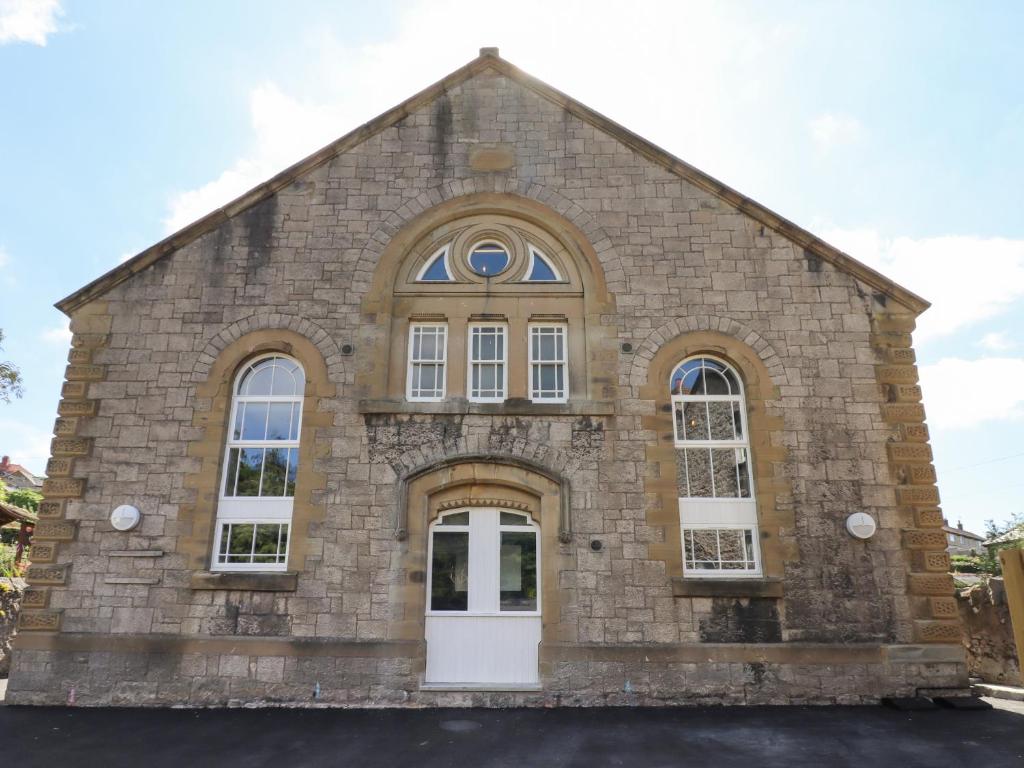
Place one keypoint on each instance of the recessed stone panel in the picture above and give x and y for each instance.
(80, 356)
(944, 607)
(65, 426)
(39, 621)
(51, 508)
(59, 466)
(74, 446)
(917, 494)
(924, 539)
(937, 631)
(76, 407)
(74, 390)
(56, 530)
(35, 598)
(44, 551)
(914, 433)
(930, 517)
(896, 413)
(85, 373)
(92, 340)
(939, 584)
(900, 452)
(897, 374)
(48, 575)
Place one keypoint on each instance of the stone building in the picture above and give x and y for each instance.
(490, 401)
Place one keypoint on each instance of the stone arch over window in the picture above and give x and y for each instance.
(770, 490)
(485, 481)
(212, 421)
(489, 246)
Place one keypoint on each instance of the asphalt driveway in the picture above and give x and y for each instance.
(587, 738)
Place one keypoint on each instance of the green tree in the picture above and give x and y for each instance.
(25, 498)
(10, 377)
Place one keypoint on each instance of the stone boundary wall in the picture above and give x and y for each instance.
(11, 592)
(988, 633)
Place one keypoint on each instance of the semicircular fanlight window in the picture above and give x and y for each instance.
(541, 270)
(436, 270)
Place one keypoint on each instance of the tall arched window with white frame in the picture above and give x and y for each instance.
(254, 512)
(717, 510)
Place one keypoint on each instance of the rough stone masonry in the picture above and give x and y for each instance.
(319, 264)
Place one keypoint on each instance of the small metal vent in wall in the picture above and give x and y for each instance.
(627, 347)
(347, 349)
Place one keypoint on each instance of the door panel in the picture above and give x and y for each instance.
(483, 623)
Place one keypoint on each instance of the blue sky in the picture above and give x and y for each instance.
(893, 130)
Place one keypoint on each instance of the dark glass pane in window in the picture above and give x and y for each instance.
(488, 260)
(726, 477)
(698, 472)
(695, 420)
(225, 539)
(254, 423)
(720, 420)
(459, 518)
(518, 578)
(449, 583)
(250, 461)
(542, 271)
(686, 379)
(437, 272)
(240, 546)
(715, 383)
(275, 468)
(266, 538)
(293, 468)
(513, 518)
(229, 475)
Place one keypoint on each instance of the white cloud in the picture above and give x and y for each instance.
(348, 85)
(967, 279)
(26, 444)
(59, 335)
(829, 131)
(28, 21)
(948, 385)
(997, 341)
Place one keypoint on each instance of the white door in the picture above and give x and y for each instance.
(483, 622)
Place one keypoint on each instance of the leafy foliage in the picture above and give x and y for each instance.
(973, 564)
(10, 378)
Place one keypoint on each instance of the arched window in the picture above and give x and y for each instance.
(718, 514)
(261, 461)
(541, 270)
(436, 269)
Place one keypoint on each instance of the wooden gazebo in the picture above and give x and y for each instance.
(26, 521)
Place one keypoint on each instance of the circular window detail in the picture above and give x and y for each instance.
(488, 259)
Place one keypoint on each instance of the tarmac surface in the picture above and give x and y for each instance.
(721, 737)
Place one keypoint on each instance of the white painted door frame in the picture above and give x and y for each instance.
(484, 647)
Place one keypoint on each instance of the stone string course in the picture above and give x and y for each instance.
(675, 258)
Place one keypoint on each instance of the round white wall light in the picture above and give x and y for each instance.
(125, 517)
(861, 525)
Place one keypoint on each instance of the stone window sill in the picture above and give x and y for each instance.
(283, 581)
(726, 587)
(513, 407)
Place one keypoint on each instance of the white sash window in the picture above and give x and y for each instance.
(549, 375)
(261, 461)
(428, 352)
(487, 373)
(717, 511)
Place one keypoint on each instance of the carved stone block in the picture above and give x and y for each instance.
(39, 621)
(80, 356)
(74, 390)
(65, 426)
(918, 494)
(71, 446)
(933, 538)
(905, 393)
(901, 355)
(92, 340)
(897, 374)
(937, 631)
(944, 607)
(921, 474)
(936, 561)
(914, 433)
(48, 575)
(85, 373)
(899, 452)
(893, 324)
(897, 413)
(59, 466)
(44, 551)
(76, 407)
(929, 517)
(55, 530)
(927, 584)
(51, 508)
(63, 487)
(35, 598)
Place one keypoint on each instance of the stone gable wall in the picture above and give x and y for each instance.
(672, 254)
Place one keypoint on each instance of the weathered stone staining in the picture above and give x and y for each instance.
(659, 263)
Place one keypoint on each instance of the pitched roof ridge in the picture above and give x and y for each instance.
(489, 59)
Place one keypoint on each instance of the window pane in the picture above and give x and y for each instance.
(695, 421)
(548, 378)
(259, 381)
(459, 518)
(547, 347)
(230, 471)
(703, 548)
(488, 346)
(250, 462)
(487, 381)
(686, 378)
(254, 423)
(293, 468)
(285, 381)
(513, 518)
(698, 472)
(428, 347)
(275, 469)
(727, 471)
(541, 270)
(239, 419)
(737, 420)
(449, 583)
(720, 420)
(518, 571)
(240, 545)
(279, 423)
(436, 272)
(715, 383)
(266, 539)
